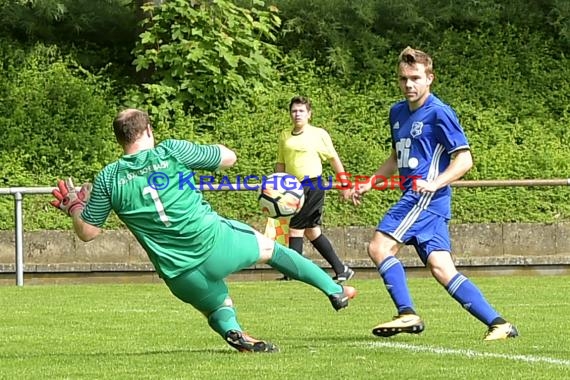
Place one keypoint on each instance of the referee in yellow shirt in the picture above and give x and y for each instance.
(300, 153)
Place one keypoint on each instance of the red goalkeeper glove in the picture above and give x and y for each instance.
(67, 199)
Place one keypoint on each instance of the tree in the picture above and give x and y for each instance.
(202, 54)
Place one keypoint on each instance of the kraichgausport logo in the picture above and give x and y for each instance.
(342, 181)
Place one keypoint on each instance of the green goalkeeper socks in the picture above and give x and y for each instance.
(293, 265)
(223, 320)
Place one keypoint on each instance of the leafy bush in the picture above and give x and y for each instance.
(202, 54)
(55, 118)
(106, 30)
(352, 37)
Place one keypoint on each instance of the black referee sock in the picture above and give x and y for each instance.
(325, 248)
(296, 244)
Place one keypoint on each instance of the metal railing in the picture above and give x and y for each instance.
(19, 192)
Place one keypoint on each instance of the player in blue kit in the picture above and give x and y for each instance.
(430, 150)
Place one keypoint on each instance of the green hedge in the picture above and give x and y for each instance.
(55, 120)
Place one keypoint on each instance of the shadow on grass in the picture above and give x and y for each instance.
(217, 351)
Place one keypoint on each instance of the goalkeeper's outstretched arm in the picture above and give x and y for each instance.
(84, 230)
(72, 202)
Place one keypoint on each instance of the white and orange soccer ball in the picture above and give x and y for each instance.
(281, 196)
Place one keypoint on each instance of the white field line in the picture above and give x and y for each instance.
(468, 353)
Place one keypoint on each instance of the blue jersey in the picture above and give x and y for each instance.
(424, 141)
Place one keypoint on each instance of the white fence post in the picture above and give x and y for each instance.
(19, 238)
(18, 193)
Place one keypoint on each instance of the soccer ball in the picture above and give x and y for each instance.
(281, 195)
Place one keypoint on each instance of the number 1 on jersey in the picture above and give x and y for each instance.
(158, 204)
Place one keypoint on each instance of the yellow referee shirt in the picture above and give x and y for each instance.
(303, 154)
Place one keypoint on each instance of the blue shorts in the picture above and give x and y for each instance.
(409, 224)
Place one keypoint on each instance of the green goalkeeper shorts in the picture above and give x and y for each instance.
(203, 287)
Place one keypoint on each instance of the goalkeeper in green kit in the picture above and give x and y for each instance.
(192, 248)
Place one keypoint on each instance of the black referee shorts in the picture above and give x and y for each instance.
(311, 213)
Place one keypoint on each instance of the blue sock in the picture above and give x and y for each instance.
(392, 272)
(471, 298)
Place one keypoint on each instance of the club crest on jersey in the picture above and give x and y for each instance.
(416, 129)
(396, 125)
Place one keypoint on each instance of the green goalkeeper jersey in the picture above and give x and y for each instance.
(153, 192)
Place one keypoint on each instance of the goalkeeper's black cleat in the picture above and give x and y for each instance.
(244, 343)
(340, 300)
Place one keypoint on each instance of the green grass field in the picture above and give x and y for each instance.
(139, 331)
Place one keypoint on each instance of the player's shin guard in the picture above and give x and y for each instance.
(471, 298)
(392, 272)
(223, 319)
(293, 265)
